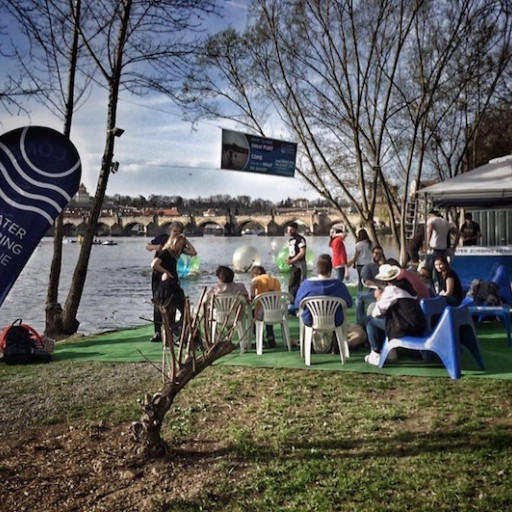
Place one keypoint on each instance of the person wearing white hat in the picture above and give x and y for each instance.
(397, 312)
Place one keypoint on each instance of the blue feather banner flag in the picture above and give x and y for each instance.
(40, 172)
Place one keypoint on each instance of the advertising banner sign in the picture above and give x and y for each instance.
(251, 153)
(40, 172)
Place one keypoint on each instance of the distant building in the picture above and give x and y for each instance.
(162, 212)
(82, 199)
(300, 203)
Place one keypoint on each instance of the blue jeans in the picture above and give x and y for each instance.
(363, 299)
(359, 282)
(375, 326)
(339, 272)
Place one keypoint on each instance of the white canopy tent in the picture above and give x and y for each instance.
(488, 186)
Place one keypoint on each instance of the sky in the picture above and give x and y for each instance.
(159, 153)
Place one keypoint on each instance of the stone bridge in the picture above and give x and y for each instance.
(316, 223)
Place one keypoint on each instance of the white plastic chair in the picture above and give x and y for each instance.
(274, 306)
(323, 312)
(225, 306)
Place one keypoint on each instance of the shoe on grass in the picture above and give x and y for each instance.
(156, 338)
(372, 358)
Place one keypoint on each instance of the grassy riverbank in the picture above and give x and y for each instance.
(248, 439)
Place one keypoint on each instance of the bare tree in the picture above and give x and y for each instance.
(128, 45)
(13, 91)
(365, 88)
(48, 60)
(181, 362)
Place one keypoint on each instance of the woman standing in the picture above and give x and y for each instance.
(339, 253)
(450, 286)
(362, 254)
(169, 289)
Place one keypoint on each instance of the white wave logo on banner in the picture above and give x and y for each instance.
(40, 172)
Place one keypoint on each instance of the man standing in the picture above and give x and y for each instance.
(156, 245)
(296, 259)
(439, 232)
(470, 231)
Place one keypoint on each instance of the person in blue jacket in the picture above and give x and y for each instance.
(323, 284)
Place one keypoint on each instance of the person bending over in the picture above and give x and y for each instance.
(169, 291)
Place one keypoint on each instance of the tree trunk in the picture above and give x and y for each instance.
(70, 323)
(146, 432)
(54, 325)
(53, 309)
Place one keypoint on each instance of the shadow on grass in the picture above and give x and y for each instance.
(400, 445)
(255, 466)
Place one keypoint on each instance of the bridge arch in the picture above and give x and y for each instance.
(210, 227)
(135, 228)
(275, 224)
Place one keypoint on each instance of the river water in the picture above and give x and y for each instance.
(117, 292)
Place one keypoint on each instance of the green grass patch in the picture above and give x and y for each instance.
(296, 440)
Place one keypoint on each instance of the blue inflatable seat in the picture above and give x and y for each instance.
(455, 328)
(433, 308)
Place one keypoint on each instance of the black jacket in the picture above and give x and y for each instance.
(405, 318)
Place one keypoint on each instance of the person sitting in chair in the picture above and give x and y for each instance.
(262, 282)
(397, 312)
(227, 286)
(324, 284)
(450, 286)
(226, 283)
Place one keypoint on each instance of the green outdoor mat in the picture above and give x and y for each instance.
(133, 345)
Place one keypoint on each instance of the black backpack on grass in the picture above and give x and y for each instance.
(22, 344)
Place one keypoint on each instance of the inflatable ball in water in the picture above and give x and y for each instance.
(244, 258)
(282, 255)
(188, 265)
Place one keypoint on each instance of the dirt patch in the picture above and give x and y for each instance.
(80, 468)
(56, 457)
(79, 464)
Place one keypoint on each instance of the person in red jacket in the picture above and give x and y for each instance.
(339, 253)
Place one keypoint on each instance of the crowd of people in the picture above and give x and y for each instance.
(387, 300)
